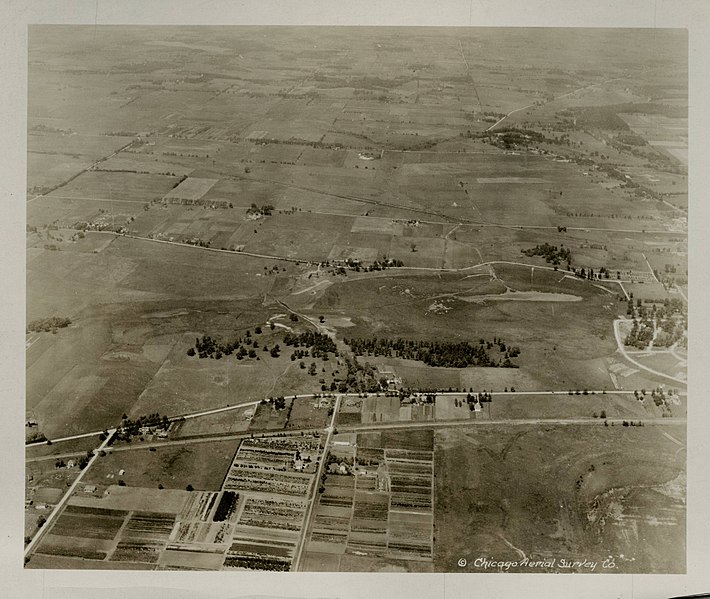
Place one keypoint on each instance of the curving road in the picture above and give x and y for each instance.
(622, 350)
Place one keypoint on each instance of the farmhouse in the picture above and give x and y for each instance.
(390, 376)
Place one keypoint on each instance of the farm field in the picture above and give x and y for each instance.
(349, 296)
(378, 505)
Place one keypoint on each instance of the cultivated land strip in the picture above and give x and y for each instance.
(67, 495)
(314, 490)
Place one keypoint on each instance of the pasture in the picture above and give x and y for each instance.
(201, 465)
(587, 505)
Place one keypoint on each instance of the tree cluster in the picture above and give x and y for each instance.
(473, 398)
(437, 353)
(132, 428)
(320, 345)
(264, 210)
(551, 253)
(48, 324)
(209, 347)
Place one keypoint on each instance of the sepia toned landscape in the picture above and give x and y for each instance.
(357, 299)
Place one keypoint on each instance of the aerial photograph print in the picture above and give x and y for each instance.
(356, 299)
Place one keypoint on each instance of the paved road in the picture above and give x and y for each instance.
(177, 417)
(499, 121)
(314, 491)
(81, 436)
(253, 403)
(357, 428)
(57, 508)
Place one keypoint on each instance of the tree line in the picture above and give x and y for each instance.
(438, 353)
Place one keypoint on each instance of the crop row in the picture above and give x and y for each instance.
(150, 525)
(411, 468)
(94, 511)
(235, 471)
(336, 501)
(407, 500)
(272, 510)
(222, 532)
(275, 503)
(367, 455)
(308, 444)
(371, 548)
(73, 551)
(411, 479)
(199, 505)
(411, 533)
(366, 483)
(416, 489)
(266, 486)
(263, 462)
(240, 479)
(405, 454)
(266, 451)
(243, 547)
(270, 465)
(263, 522)
(136, 552)
(368, 525)
(257, 563)
(423, 550)
(370, 511)
(92, 527)
(328, 537)
(331, 523)
(187, 531)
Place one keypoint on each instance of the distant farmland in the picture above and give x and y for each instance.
(356, 299)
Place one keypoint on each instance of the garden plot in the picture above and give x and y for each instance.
(149, 526)
(410, 480)
(89, 523)
(205, 525)
(384, 511)
(273, 475)
(86, 533)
